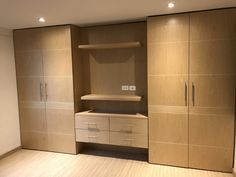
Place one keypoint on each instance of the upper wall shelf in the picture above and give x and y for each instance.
(111, 97)
(111, 45)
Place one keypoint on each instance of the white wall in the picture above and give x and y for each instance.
(9, 117)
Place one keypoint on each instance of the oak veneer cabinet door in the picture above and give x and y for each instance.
(168, 48)
(57, 64)
(45, 88)
(30, 80)
(212, 76)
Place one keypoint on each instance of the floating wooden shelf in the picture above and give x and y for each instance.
(111, 97)
(111, 45)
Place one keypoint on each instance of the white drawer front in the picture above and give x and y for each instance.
(128, 125)
(92, 122)
(101, 137)
(129, 139)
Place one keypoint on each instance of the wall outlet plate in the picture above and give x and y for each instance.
(132, 88)
(124, 87)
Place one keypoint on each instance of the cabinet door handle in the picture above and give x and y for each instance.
(193, 94)
(128, 139)
(186, 94)
(46, 91)
(235, 94)
(41, 92)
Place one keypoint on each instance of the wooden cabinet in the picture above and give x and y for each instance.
(129, 139)
(92, 136)
(191, 81)
(167, 89)
(212, 96)
(57, 63)
(45, 88)
(92, 128)
(126, 124)
(126, 131)
(92, 122)
(30, 80)
(116, 129)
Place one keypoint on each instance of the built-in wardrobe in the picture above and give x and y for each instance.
(191, 89)
(45, 88)
(166, 86)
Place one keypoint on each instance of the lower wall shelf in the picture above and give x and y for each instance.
(102, 97)
(111, 45)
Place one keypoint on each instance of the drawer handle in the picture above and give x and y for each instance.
(92, 124)
(126, 131)
(92, 136)
(129, 125)
(92, 139)
(93, 129)
(128, 139)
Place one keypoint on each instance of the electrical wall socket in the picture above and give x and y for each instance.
(124, 87)
(132, 88)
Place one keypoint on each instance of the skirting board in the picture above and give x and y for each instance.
(234, 172)
(10, 152)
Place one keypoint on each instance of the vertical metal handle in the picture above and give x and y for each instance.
(46, 91)
(186, 94)
(41, 93)
(235, 96)
(193, 93)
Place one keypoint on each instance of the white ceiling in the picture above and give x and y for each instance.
(24, 13)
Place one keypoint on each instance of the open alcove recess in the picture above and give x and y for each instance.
(105, 58)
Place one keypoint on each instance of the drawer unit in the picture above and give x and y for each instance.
(128, 125)
(87, 122)
(101, 137)
(129, 139)
(104, 128)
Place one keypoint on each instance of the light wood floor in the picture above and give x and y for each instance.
(28, 163)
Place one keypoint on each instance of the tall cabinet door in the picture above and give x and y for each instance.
(212, 78)
(57, 64)
(29, 70)
(168, 46)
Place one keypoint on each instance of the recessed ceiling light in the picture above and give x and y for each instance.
(41, 20)
(171, 5)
